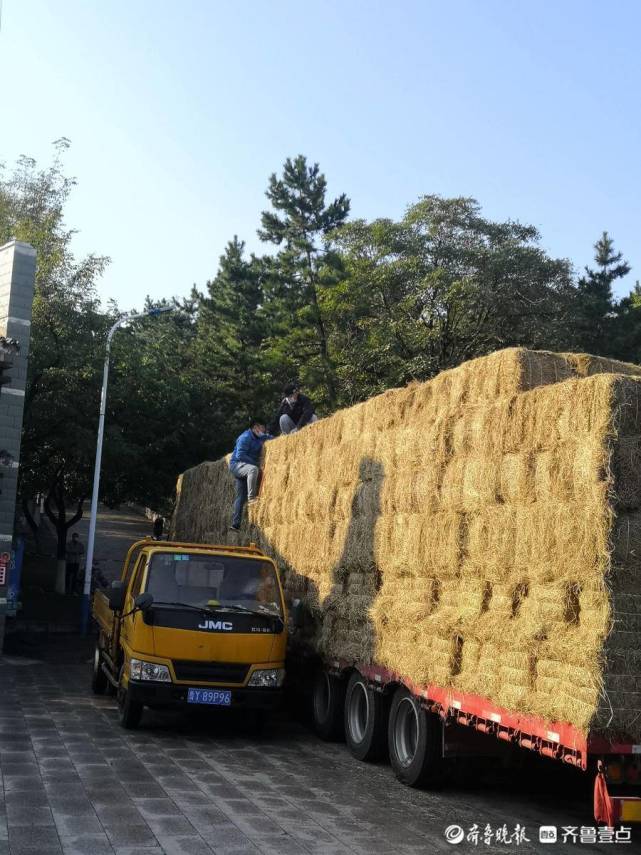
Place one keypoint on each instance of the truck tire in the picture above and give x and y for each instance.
(328, 702)
(129, 711)
(365, 720)
(99, 681)
(415, 740)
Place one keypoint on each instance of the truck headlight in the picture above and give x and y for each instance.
(267, 678)
(141, 670)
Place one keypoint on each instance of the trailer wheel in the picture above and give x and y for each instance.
(365, 720)
(415, 742)
(99, 681)
(328, 701)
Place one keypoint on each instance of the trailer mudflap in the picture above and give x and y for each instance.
(613, 809)
(616, 802)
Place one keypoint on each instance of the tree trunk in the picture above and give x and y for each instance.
(61, 532)
(61, 576)
(58, 517)
(61, 555)
(33, 525)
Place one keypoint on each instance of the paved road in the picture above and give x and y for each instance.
(74, 782)
(115, 532)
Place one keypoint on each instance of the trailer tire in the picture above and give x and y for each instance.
(99, 681)
(328, 702)
(365, 720)
(415, 742)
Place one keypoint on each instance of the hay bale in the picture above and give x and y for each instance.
(626, 466)
(500, 374)
(585, 365)
(480, 531)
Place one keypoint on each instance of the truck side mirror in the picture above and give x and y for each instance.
(143, 601)
(297, 614)
(116, 596)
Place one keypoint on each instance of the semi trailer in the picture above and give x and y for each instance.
(422, 728)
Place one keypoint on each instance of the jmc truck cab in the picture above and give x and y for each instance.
(191, 624)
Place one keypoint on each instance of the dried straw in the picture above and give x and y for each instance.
(480, 531)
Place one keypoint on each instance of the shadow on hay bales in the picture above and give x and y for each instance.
(347, 628)
(339, 624)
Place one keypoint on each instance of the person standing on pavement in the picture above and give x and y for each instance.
(158, 527)
(244, 466)
(75, 551)
(296, 410)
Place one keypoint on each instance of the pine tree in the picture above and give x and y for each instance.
(300, 223)
(596, 298)
(626, 324)
(231, 331)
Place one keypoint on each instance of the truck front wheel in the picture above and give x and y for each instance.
(365, 720)
(415, 740)
(328, 701)
(129, 711)
(99, 679)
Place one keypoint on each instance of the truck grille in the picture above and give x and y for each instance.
(210, 672)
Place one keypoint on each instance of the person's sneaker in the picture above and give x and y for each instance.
(234, 527)
(252, 501)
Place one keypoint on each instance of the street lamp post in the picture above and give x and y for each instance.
(84, 622)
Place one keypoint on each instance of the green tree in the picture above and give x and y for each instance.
(442, 285)
(625, 327)
(155, 409)
(66, 324)
(596, 325)
(300, 223)
(231, 331)
(154, 424)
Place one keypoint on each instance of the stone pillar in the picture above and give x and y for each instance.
(17, 277)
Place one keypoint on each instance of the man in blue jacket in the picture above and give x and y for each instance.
(244, 466)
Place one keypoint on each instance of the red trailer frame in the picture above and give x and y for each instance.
(616, 764)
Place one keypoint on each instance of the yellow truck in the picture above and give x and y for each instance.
(191, 624)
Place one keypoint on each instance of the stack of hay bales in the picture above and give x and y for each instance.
(481, 531)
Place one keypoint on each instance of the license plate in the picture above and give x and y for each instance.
(215, 697)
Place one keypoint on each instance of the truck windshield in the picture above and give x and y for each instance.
(209, 581)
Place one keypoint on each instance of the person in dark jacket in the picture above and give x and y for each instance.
(296, 411)
(158, 527)
(244, 466)
(75, 551)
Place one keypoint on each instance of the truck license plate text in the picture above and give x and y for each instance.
(215, 697)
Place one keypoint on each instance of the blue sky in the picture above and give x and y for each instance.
(179, 111)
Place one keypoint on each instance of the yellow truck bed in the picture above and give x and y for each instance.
(102, 614)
